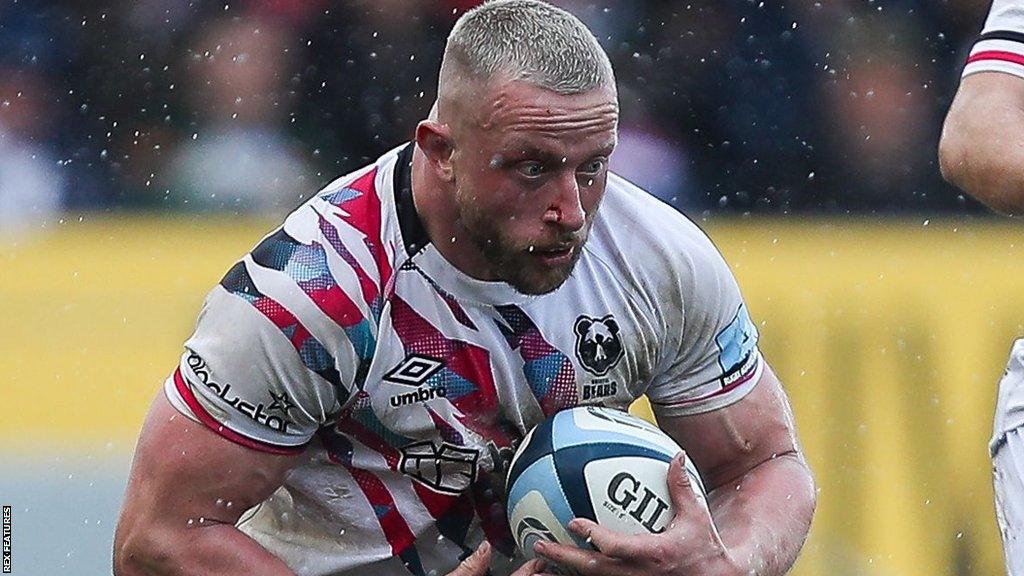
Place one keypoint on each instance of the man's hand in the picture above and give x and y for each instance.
(690, 545)
(477, 563)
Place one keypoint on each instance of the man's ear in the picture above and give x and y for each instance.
(435, 140)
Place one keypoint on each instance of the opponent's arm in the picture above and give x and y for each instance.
(761, 498)
(187, 488)
(982, 146)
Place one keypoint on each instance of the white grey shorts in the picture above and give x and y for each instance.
(1008, 472)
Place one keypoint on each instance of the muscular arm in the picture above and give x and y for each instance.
(760, 490)
(982, 146)
(187, 488)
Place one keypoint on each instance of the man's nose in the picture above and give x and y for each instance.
(566, 209)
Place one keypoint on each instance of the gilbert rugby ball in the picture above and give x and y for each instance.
(591, 462)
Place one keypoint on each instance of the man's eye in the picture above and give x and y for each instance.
(530, 169)
(593, 167)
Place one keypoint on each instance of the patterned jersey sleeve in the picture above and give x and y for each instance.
(710, 357)
(283, 341)
(1000, 48)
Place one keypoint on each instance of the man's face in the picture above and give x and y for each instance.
(530, 171)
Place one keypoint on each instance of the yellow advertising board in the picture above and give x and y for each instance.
(890, 338)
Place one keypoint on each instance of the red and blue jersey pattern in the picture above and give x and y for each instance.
(346, 336)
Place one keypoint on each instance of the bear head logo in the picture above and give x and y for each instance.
(598, 347)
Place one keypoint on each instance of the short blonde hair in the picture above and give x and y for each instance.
(526, 40)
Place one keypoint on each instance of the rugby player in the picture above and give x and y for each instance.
(357, 383)
(982, 152)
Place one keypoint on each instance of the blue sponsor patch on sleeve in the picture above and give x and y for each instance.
(736, 341)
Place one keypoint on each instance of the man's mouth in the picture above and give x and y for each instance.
(555, 256)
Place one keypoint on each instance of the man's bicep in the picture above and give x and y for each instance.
(727, 442)
(183, 471)
(254, 372)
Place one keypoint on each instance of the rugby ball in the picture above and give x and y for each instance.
(591, 462)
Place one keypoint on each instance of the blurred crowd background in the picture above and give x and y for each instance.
(738, 106)
(116, 118)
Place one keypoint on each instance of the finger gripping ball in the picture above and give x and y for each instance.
(591, 462)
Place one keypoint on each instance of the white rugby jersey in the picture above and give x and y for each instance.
(406, 384)
(1000, 48)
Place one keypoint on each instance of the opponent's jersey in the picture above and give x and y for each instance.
(1000, 48)
(407, 384)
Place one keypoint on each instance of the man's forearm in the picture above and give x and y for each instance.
(218, 549)
(763, 517)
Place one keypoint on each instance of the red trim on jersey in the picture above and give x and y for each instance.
(338, 306)
(278, 314)
(370, 439)
(997, 55)
(369, 289)
(436, 503)
(186, 394)
(734, 385)
(365, 215)
(392, 524)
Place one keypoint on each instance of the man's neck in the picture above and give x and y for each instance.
(436, 209)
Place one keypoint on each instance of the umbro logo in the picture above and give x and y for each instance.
(414, 370)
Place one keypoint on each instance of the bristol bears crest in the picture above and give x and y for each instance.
(598, 347)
